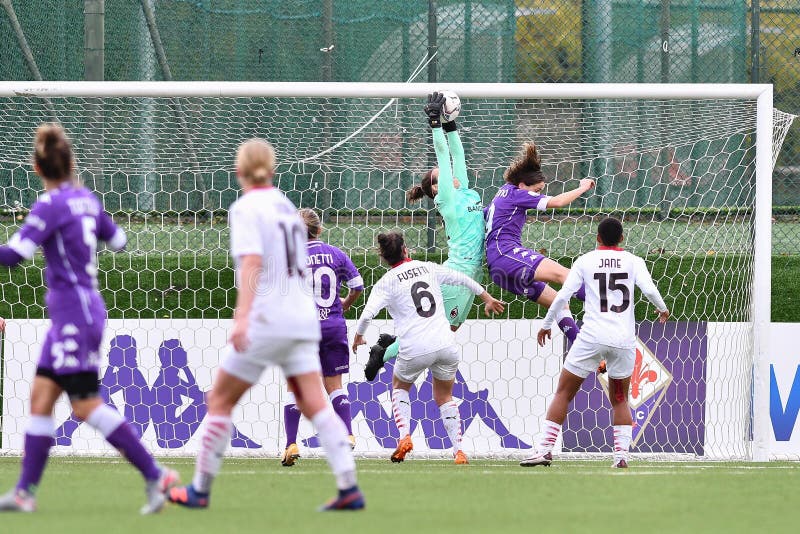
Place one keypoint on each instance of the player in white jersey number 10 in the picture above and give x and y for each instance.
(412, 294)
(609, 332)
(275, 323)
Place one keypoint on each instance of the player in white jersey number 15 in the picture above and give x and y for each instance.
(274, 323)
(609, 332)
(412, 294)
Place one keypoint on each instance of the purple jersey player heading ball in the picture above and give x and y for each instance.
(67, 221)
(330, 269)
(515, 268)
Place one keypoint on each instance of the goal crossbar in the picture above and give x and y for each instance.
(389, 90)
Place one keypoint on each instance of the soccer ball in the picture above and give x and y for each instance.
(452, 106)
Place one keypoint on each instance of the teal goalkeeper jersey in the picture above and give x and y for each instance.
(464, 224)
(461, 208)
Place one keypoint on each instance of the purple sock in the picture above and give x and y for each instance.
(125, 440)
(291, 421)
(570, 329)
(37, 449)
(341, 405)
(581, 293)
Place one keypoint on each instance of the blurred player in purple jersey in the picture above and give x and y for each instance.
(67, 221)
(524, 271)
(330, 268)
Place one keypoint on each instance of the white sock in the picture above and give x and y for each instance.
(290, 398)
(40, 425)
(337, 393)
(452, 423)
(333, 436)
(105, 419)
(214, 439)
(549, 436)
(622, 441)
(401, 405)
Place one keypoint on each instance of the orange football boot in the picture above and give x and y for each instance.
(404, 446)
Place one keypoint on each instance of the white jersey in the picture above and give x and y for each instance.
(412, 294)
(610, 274)
(264, 222)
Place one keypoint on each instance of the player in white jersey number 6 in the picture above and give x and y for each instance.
(274, 323)
(609, 274)
(412, 294)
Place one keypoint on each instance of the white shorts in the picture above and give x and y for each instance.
(443, 364)
(584, 357)
(293, 356)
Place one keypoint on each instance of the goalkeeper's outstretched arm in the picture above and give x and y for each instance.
(457, 153)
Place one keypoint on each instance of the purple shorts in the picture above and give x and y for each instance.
(334, 354)
(514, 272)
(72, 348)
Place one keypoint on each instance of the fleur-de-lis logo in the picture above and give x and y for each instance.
(641, 375)
(648, 378)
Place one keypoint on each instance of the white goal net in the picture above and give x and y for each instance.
(681, 171)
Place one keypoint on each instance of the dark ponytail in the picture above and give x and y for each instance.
(391, 247)
(52, 152)
(422, 189)
(527, 169)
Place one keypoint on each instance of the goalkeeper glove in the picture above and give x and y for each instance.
(449, 126)
(433, 109)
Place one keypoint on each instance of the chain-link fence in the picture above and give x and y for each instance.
(708, 41)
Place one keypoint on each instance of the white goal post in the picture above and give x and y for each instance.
(687, 166)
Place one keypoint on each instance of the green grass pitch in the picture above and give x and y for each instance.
(258, 495)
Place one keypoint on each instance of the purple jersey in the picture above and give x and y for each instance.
(505, 217)
(67, 223)
(330, 268)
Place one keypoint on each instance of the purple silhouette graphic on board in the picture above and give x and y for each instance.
(174, 419)
(121, 375)
(364, 398)
(180, 404)
(175, 405)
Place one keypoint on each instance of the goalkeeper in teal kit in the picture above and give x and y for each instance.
(462, 211)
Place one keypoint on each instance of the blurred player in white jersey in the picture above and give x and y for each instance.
(274, 323)
(412, 294)
(608, 333)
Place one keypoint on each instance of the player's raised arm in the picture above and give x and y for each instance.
(446, 188)
(645, 282)
(456, 153)
(568, 197)
(445, 275)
